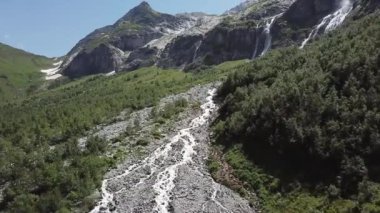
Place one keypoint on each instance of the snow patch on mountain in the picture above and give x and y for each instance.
(52, 73)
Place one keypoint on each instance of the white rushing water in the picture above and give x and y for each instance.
(267, 32)
(216, 187)
(165, 180)
(165, 173)
(256, 43)
(315, 31)
(197, 46)
(340, 15)
(331, 21)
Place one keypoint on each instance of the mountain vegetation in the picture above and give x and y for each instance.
(42, 167)
(19, 72)
(309, 120)
(298, 129)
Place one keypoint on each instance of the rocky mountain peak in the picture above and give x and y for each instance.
(143, 6)
(145, 37)
(141, 14)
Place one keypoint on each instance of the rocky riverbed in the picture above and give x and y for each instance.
(171, 173)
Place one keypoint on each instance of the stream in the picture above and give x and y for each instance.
(173, 177)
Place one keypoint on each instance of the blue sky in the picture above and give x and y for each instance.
(53, 27)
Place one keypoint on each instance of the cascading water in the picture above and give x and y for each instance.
(267, 32)
(340, 15)
(175, 168)
(256, 43)
(197, 46)
(331, 21)
(315, 31)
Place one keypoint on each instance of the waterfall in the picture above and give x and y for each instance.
(315, 31)
(257, 42)
(267, 32)
(340, 15)
(331, 21)
(197, 46)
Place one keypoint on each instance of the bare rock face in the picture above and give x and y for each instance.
(181, 52)
(142, 57)
(239, 35)
(134, 41)
(306, 13)
(225, 43)
(102, 59)
(107, 49)
(369, 6)
(144, 37)
(301, 20)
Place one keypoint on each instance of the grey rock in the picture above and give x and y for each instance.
(137, 184)
(144, 37)
(102, 59)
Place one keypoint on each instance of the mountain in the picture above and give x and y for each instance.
(241, 7)
(299, 126)
(133, 41)
(294, 129)
(20, 72)
(144, 37)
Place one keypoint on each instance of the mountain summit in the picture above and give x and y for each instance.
(144, 37)
(141, 14)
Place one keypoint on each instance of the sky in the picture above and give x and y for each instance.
(53, 27)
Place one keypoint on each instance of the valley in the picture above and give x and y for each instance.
(269, 107)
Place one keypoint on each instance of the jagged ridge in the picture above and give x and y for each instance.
(144, 37)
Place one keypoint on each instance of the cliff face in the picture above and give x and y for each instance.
(144, 37)
(306, 13)
(297, 22)
(243, 34)
(122, 45)
(246, 35)
(104, 58)
(181, 52)
(225, 43)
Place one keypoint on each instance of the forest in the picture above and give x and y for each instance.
(299, 127)
(310, 118)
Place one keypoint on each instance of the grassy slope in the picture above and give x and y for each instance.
(19, 71)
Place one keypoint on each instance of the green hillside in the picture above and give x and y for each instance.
(297, 131)
(302, 126)
(19, 72)
(38, 181)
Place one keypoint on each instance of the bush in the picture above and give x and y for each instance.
(312, 115)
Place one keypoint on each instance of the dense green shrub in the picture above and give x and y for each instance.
(311, 115)
(42, 168)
